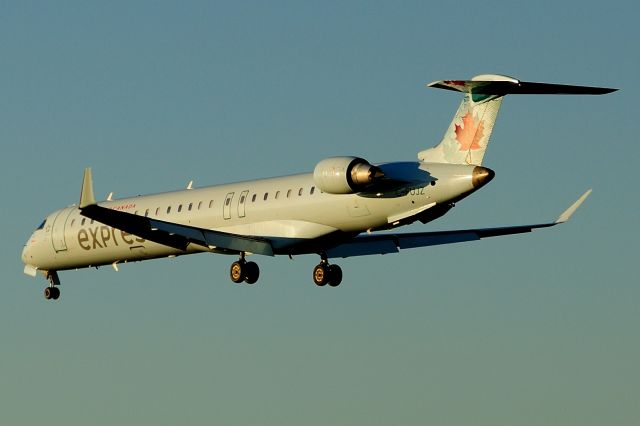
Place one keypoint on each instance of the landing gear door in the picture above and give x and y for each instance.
(226, 208)
(241, 203)
(57, 230)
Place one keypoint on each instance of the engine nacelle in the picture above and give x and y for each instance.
(345, 175)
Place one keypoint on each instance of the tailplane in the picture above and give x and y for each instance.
(467, 137)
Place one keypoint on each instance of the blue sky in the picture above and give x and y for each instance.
(532, 329)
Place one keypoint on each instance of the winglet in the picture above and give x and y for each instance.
(86, 194)
(566, 215)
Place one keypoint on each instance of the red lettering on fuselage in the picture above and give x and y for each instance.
(125, 206)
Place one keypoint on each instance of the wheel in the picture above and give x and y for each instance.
(252, 272)
(51, 293)
(335, 273)
(237, 272)
(321, 274)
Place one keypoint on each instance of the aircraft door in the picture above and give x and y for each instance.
(242, 203)
(57, 230)
(226, 208)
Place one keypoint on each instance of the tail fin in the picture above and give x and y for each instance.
(467, 137)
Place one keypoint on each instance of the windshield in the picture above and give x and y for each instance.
(41, 225)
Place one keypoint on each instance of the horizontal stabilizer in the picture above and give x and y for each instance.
(493, 85)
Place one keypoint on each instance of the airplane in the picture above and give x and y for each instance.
(337, 211)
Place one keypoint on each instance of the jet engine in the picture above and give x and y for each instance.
(345, 175)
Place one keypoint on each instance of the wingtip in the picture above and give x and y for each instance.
(566, 215)
(86, 193)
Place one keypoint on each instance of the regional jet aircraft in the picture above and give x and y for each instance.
(335, 212)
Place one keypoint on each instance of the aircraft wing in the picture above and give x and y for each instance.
(392, 243)
(176, 235)
(168, 233)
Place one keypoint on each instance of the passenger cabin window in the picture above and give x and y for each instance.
(168, 209)
(157, 211)
(288, 193)
(227, 201)
(242, 199)
(300, 192)
(277, 194)
(253, 199)
(146, 213)
(266, 195)
(179, 208)
(210, 203)
(81, 223)
(190, 206)
(199, 205)
(312, 190)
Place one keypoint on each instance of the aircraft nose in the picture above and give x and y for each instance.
(25, 253)
(481, 176)
(28, 252)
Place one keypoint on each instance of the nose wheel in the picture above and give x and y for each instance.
(324, 274)
(52, 292)
(243, 271)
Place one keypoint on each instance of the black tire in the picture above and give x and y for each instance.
(56, 293)
(335, 273)
(48, 293)
(252, 272)
(321, 274)
(237, 272)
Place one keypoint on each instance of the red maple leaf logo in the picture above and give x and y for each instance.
(469, 134)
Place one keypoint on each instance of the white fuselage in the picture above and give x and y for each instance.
(290, 210)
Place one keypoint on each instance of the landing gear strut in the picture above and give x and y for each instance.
(324, 273)
(241, 270)
(52, 292)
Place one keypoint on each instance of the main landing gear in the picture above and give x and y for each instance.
(324, 274)
(52, 292)
(249, 272)
(241, 270)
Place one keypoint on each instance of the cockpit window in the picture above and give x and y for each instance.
(41, 225)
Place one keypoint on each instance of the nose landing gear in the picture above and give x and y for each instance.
(52, 292)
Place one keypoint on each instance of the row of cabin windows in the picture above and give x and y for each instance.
(227, 202)
(265, 197)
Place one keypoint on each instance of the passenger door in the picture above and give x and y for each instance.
(57, 230)
(242, 203)
(226, 207)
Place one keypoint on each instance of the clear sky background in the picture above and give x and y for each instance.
(537, 329)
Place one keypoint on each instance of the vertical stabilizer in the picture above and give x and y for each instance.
(467, 137)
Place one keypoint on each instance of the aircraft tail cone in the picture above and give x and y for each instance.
(481, 176)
